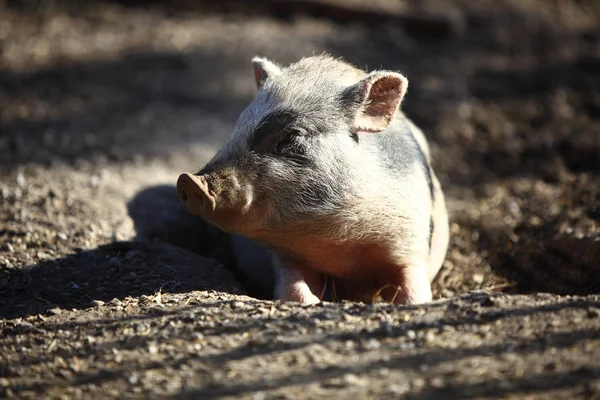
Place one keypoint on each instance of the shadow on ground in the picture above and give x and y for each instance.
(158, 216)
(116, 270)
(173, 252)
(170, 254)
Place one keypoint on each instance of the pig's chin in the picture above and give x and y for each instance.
(225, 220)
(237, 220)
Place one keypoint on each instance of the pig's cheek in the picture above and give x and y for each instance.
(259, 213)
(247, 199)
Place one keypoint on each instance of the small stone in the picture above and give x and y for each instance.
(437, 382)
(21, 181)
(115, 302)
(41, 255)
(372, 344)
(259, 396)
(152, 348)
(406, 346)
(55, 311)
(97, 303)
(429, 337)
(412, 335)
(62, 236)
(399, 389)
(418, 383)
(235, 304)
(9, 247)
(447, 329)
(447, 293)
(94, 181)
(477, 278)
(354, 380)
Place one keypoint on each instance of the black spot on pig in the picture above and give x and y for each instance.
(422, 160)
(273, 125)
(431, 227)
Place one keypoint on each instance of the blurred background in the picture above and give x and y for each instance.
(101, 100)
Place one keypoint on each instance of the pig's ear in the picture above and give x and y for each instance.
(263, 69)
(375, 99)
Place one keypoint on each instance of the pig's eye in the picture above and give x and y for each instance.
(289, 145)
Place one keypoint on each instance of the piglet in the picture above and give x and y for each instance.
(324, 171)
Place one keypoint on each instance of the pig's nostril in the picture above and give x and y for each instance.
(193, 194)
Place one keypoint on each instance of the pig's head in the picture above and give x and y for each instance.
(294, 155)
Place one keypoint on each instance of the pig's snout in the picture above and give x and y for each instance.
(194, 195)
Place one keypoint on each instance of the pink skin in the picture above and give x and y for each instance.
(194, 194)
(298, 284)
(306, 286)
(360, 272)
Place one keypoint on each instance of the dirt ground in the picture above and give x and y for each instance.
(108, 290)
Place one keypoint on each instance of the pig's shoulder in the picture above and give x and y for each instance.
(402, 150)
(401, 145)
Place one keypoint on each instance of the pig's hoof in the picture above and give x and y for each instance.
(312, 299)
(304, 296)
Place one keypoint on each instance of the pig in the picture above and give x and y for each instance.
(325, 171)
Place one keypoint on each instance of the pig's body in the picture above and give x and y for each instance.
(350, 193)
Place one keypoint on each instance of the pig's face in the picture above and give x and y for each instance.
(290, 157)
(280, 165)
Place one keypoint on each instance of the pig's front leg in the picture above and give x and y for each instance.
(411, 281)
(404, 282)
(416, 288)
(295, 283)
